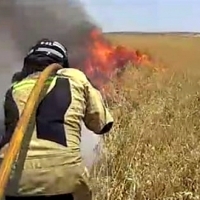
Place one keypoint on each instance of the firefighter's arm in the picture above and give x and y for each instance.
(7, 120)
(97, 116)
(11, 117)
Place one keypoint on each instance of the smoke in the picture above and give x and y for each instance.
(63, 20)
(24, 22)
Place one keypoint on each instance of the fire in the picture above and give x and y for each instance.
(105, 59)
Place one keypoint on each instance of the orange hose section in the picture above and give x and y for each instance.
(18, 135)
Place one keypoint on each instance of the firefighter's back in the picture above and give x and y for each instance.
(53, 154)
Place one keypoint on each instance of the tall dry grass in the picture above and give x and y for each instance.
(153, 151)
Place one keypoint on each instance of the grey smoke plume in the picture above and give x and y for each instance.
(24, 22)
(63, 20)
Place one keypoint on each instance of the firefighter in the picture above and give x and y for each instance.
(53, 165)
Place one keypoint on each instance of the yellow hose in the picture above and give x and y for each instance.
(18, 135)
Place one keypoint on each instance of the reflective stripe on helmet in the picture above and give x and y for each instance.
(49, 50)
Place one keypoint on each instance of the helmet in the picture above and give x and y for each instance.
(47, 52)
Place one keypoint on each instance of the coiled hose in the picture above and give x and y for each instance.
(22, 125)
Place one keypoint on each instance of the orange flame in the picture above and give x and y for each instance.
(104, 59)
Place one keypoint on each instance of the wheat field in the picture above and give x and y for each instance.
(153, 151)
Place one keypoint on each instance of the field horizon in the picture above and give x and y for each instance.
(172, 33)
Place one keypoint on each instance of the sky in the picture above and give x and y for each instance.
(145, 15)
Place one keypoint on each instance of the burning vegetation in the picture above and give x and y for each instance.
(103, 59)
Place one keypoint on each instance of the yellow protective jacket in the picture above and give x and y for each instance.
(53, 163)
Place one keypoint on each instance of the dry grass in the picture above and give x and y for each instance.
(153, 151)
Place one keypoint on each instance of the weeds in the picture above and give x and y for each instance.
(153, 151)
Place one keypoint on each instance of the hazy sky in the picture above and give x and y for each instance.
(145, 15)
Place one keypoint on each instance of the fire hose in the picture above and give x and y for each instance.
(21, 128)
